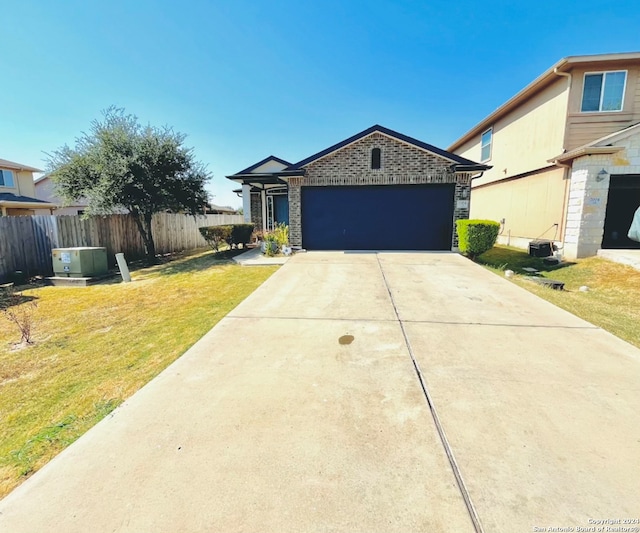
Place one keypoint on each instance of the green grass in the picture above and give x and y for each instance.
(95, 346)
(612, 303)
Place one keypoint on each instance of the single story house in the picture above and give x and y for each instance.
(378, 189)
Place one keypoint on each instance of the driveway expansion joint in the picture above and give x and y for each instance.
(473, 515)
(318, 318)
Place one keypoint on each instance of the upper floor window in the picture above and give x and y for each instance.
(376, 159)
(6, 178)
(485, 145)
(603, 91)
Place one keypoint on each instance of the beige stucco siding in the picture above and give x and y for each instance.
(583, 128)
(23, 184)
(525, 138)
(531, 206)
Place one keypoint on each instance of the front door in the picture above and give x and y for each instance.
(281, 209)
(277, 210)
(622, 202)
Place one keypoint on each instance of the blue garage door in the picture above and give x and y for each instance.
(383, 217)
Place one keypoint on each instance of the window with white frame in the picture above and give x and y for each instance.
(485, 145)
(603, 91)
(6, 178)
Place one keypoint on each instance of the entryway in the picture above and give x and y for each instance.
(622, 202)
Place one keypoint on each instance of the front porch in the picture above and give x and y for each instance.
(16, 205)
(265, 193)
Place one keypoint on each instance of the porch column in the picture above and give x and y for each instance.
(246, 202)
(295, 212)
(587, 206)
(263, 206)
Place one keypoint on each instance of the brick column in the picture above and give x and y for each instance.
(295, 212)
(461, 205)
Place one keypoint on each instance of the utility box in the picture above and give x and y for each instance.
(540, 248)
(81, 262)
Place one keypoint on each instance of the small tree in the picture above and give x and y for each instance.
(20, 311)
(120, 164)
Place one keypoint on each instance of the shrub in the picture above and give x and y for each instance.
(20, 311)
(277, 238)
(476, 236)
(232, 234)
(216, 235)
(241, 234)
(281, 233)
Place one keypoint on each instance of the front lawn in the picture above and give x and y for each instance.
(94, 347)
(613, 299)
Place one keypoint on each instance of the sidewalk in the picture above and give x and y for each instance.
(254, 257)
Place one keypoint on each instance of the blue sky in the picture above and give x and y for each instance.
(246, 79)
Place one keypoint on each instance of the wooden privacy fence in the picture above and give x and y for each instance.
(26, 242)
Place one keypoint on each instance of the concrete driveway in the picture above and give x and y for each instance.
(388, 392)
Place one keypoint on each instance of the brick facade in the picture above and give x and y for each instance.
(256, 210)
(401, 164)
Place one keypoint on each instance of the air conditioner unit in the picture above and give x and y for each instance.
(80, 262)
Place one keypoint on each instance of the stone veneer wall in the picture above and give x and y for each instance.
(401, 164)
(587, 203)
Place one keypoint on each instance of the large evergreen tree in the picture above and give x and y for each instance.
(120, 164)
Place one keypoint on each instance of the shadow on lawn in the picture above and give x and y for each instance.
(502, 258)
(198, 263)
(11, 297)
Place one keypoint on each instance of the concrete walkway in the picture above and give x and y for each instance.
(255, 257)
(390, 392)
(626, 257)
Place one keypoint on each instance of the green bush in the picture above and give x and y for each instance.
(475, 237)
(241, 234)
(277, 238)
(232, 234)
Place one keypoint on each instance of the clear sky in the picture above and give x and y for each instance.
(246, 79)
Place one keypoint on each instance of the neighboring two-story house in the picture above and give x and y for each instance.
(17, 191)
(45, 191)
(565, 156)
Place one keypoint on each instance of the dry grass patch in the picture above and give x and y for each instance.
(612, 303)
(95, 346)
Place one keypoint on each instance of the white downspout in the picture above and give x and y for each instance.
(567, 168)
(263, 203)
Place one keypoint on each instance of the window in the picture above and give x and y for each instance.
(485, 145)
(603, 91)
(376, 159)
(6, 178)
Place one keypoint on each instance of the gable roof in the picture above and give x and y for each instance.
(5, 163)
(260, 163)
(455, 159)
(549, 75)
(603, 145)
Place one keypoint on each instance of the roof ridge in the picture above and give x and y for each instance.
(454, 158)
